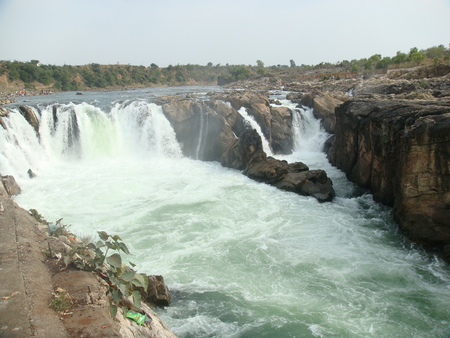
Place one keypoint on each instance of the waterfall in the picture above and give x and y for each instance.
(254, 125)
(203, 130)
(73, 132)
(308, 132)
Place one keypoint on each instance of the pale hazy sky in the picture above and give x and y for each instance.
(141, 32)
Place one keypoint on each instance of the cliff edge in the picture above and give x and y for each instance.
(400, 149)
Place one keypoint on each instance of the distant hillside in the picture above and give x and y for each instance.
(33, 76)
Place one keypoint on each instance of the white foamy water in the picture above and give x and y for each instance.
(242, 259)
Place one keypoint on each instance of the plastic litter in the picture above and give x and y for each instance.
(137, 317)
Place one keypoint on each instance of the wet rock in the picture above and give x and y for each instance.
(31, 117)
(247, 154)
(203, 133)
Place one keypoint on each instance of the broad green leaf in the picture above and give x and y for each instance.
(100, 244)
(111, 245)
(132, 264)
(114, 260)
(92, 246)
(113, 310)
(115, 295)
(137, 299)
(124, 248)
(103, 235)
(139, 280)
(116, 238)
(128, 276)
(124, 289)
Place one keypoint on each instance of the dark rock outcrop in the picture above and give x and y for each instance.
(275, 122)
(157, 291)
(203, 132)
(31, 117)
(247, 154)
(400, 150)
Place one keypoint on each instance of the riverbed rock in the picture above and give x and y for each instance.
(247, 154)
(281, 130)
(275, 122)
(400, 149)
(30, 116)
(157, 291)
(324, 104)
(203, 133)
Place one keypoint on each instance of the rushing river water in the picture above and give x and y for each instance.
(241, 258)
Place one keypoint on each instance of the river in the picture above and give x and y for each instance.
(241, 258)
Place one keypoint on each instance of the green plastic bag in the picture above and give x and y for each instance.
(137, 317)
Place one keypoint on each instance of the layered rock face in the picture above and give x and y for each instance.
(204, 132)
(275, 122)
(400, 149)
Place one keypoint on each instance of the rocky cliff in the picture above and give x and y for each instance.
(400, 149)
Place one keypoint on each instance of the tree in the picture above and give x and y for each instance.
(154, 66)
(292, 63)
(260, 66)
(416, 56)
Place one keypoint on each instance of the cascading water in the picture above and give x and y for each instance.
(204, 125)
(242, 259)
(254, 125)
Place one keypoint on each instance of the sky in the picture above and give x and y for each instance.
(171, 32)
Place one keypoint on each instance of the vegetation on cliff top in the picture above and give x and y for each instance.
(33, 75)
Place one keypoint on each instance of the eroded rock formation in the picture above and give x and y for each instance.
(400, 149)
(247, 154)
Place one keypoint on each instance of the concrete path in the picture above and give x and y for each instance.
(25, 281)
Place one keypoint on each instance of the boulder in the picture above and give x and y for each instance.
(247, 154)
(246, 149)
(400, 150)
(9, 186)
(157, 291)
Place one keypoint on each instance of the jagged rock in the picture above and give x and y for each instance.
(248, 148)
(9, 186)
(203, 133)
(281, 130)
(157, 291)
(400, 150)
(247, 154)
(30, 116)
(257, 105)
(275, 122)
(2, 123)
(324, 104)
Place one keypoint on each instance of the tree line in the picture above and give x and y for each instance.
(96, 76)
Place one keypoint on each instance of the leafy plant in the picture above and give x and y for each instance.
(123, 280)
